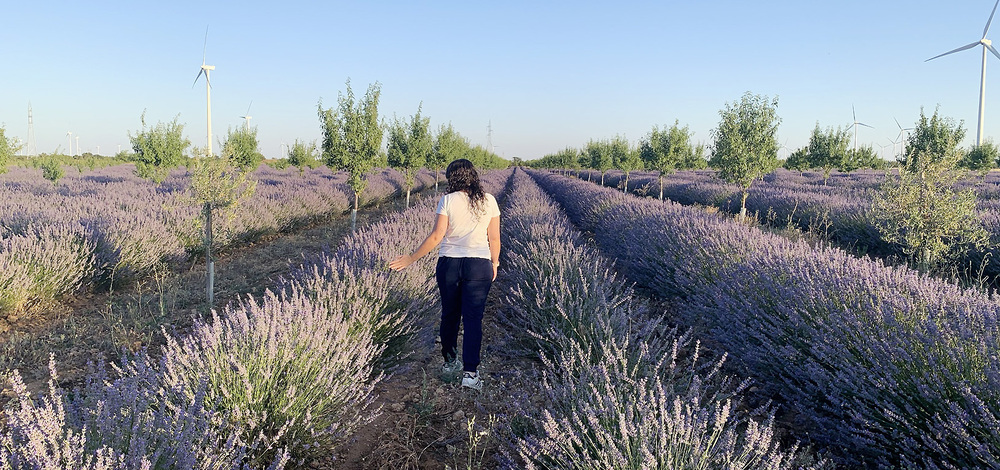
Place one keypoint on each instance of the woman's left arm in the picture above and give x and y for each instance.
(493, 235)
(432, 240)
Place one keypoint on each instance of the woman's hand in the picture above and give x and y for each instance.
(495, 266)
(404, 261)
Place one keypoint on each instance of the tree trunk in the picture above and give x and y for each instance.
(602, 178)
(743, 205)
(625, 189)
(437, 175)
(209, 262)
(661, 187)
(354, 213)
(407, 197)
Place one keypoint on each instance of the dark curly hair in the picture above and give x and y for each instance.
(462, 176)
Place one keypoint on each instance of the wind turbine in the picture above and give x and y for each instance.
(987, 45)
(901, 137)
(69, 136)
(248, 117)
(856, 124)
(205, 69)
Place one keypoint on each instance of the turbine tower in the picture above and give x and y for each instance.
(31, 134)
(489, 134)
(856, 124)
(205, 69)
(69, 136)
(248, 117)
(987, 45)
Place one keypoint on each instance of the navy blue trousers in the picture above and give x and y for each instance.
(464, 284)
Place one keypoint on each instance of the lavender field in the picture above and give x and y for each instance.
(106, 228)
(627, 333)
(838, 210)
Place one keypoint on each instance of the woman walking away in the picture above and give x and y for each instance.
(468, 229)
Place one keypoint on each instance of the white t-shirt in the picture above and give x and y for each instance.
(466, 235)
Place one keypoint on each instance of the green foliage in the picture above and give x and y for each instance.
(624, 158)
(863, 157)
(936, 138)
(52, 170)
(600, 155)
(217, 182)
(981, 158)
(8, 148)
(669, 149)
(923, 213)
(352, 136)
(567, 158)
(410, 146)
(448, 147)
(241, 148)
(484, 159)
(158, 149)
(746, 147)
(828, 150)
(695, 160)
(303, 155)
(798, 160)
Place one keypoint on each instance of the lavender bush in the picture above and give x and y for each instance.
(128, 421)
(622, 390)
(884, 367)
(285, 368)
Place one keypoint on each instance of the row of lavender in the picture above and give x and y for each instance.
(109, 227)
(841, 208)
(881, 366)
(271, 382)
(621, 388)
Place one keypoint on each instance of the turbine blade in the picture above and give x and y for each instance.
(897, 123)
(248, 107)
(853, 113)
(866, 125)
(994, 51)
(987, 28)
(968, 46)
(196, 78)
(204, 49)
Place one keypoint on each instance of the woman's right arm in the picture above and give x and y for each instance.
(432, 240)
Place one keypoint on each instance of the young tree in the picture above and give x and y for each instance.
(302, 155)
(936, 138)
(8, 148)
(448, 147)
(746, 146)
(695, 160)
(241, 148)
(862, 157)
(798, 160)
(52, 170)
(664, 151)
(352, 138)
(922, 212)
(158, 150)
(828, 149)
(410, 146)
(599, 154)
(217, 185)
(981, 158)
(624, 158)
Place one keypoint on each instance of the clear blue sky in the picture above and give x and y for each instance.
(546, 74)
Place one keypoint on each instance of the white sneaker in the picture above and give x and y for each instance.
(472, 380)
(452, 368)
